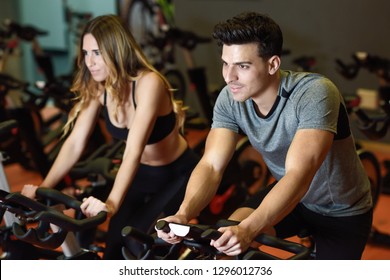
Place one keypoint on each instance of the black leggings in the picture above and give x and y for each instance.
(336, 238)
(155, 192)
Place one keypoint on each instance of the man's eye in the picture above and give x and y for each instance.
(243, 66)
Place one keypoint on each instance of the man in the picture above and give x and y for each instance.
(298, 122)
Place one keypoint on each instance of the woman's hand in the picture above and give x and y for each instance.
(92, 206)
(29, 191)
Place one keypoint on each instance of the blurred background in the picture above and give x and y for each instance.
(324, 30)
(343, 40)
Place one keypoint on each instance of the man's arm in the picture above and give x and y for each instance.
(206, 177)
(306, 154)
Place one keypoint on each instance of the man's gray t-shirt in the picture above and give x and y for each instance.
(305, 101)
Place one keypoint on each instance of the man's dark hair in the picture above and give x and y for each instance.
(251, 27)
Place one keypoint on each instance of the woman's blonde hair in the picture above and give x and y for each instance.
(124, 59)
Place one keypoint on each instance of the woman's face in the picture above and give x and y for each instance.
(93, 59)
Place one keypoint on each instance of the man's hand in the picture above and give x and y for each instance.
(170, 237)
(233, 241)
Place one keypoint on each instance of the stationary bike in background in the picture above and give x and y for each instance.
(26, 232)
(43, 228)
(374, 127)
(20, 238)
(369, 160)
(152, 23)
(40, 138)
(12, 98)
(11, 247)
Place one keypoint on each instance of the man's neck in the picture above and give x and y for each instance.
(266, 100)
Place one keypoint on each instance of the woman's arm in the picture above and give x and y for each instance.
(71, 150)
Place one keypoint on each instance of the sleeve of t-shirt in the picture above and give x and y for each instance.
(223, 116)
(318, 105)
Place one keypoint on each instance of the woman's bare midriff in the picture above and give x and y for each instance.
(165, 151)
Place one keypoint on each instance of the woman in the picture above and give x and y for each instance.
(114, 76)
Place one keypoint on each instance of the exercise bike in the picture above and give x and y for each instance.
(373, 127)
(196, 244)
(20, 242)
(43, 223)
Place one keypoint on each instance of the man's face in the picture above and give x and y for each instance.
(244, 71)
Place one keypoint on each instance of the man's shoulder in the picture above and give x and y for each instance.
(293, 81)
(293, 78)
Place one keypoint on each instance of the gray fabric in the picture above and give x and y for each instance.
(306, 100)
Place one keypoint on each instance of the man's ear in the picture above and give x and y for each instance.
(274, 64)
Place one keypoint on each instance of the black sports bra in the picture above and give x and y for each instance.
(162, 127)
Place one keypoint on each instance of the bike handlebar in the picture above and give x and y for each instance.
(198, 237)
(8, 82)
(186, 39)
(375, 64)
(36, 211)
(24, 32)
(299, 251)
(373, 127)
(102, 162)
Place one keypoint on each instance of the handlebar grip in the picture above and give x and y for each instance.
(211, 234)
(299, 251)
(23, 201)
(47, 214)
(162, 225)
(226, 223)
(143, 238)
(58, 197)
(214, 234)
(68, 223)
(259, 255)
